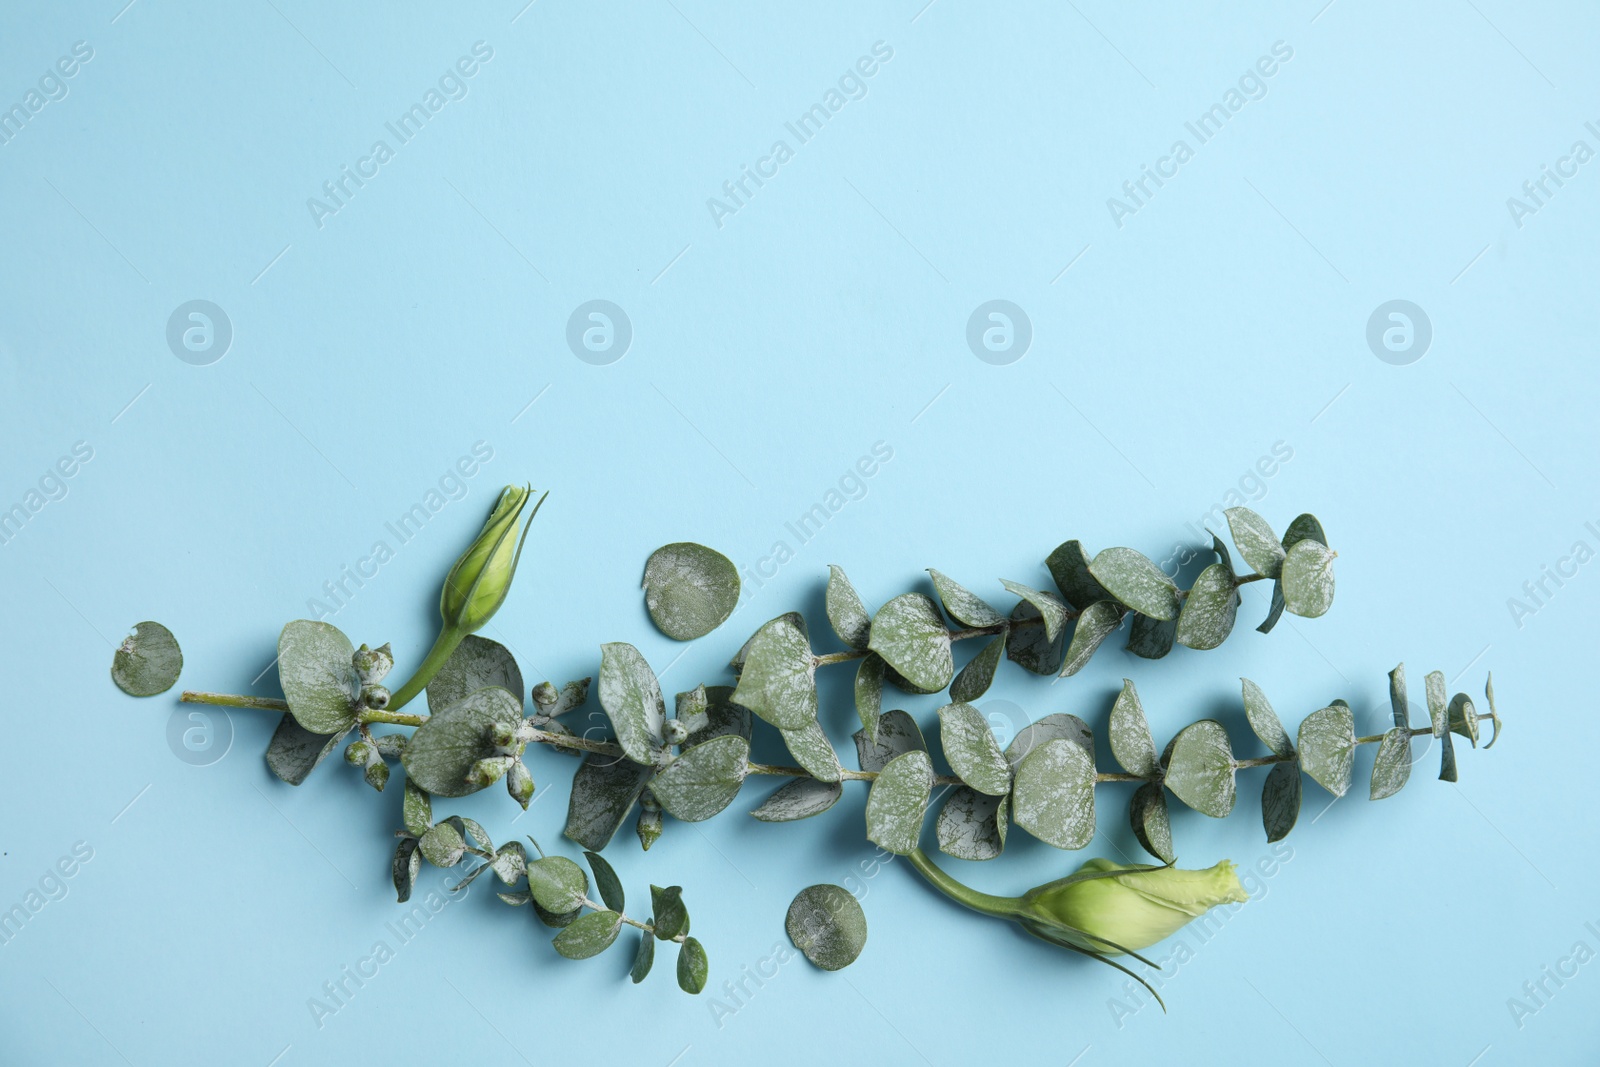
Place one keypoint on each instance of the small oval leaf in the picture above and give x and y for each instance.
(778, 680)
(799, 798)
(1209, 610)
(972, 825)
(1129, 730)
(1137, 582)
(961, 604)
(440, 755)
(148, 661)
(589, 935)
(1280, 799)
(689, 589)
(1264, 721)
(1256, 541)
(631, 697)
(846, 613)
(826, 923)
(1327, 745)
(318, 679)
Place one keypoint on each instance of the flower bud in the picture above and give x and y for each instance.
(545, 696)
(519, 783)
(359, 754)
(377, 774)
(372, 664)
(375, 697)
(489, 770)
(674, 732)
(1130, 907)
(476, 586)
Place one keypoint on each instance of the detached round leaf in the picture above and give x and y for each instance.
(318, 679)
(1308, 579)
(827, 924)
(148, 661)
(689, 589)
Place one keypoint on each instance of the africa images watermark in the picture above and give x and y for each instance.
(852, 85)
(51, 486)
(51, 87)
(451, 86)
(1537, 992)
(1252, 85)
(1537, 592)
(1537, 192)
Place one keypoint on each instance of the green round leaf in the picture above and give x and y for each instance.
(440, 755)
(689, 589)
(1069, 566)
(557, 884)
(692, 966)
(1098, 621)
(318, 679)
(975, 678)
(589, 935)
(1327, 745)
(898, 801)
(973, 752)
(911, 637)
(1133, 579)
(672, 918)
(443, 845)
(475, 664)
(1200, 769)
(827, 924)
(1209, 610)
(869, 692)
(1308, 579)
(1304, 527)
(1053, 797)
(972, 825)
(778, 680)
(148, 661)
(1392, 766)
(1050, 607)
(704, 779)
(632, 698)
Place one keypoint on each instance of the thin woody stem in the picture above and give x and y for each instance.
(646, 927)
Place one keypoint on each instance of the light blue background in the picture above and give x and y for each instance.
(827, 314)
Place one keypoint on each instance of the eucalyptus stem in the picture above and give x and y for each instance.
(232, 700)
(648, 928)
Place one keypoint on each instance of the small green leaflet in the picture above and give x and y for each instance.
(1308, 579)
(319, 682)
(911, 637)
(689, 589)
(1133, 579)
(704, 779)
(965, 607)
(1280, 799)
(1327, 745)
(898, 801)
(846, 613)
(1053, 798)
(1209, 610)
(475, 664)
(799, 798)
(1264, 721)
(148, 661)
(1256, 541)
(692, 966)
(589, 935)
(632, 699)
(973, 752)
(778, 680)
(1129, 732)
(1200, 770)
(440, 755)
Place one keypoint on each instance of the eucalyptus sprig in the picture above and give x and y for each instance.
(692, 763)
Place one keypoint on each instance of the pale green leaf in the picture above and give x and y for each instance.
(975, 678)
(1129, 733)
(1327, 745)
(689, 589)
(1209, 610)
(1056, 726)
(440, 755)
(869, 692)
(1051, 608)
(632, 699)
(148, 661)
(846, 613)
(1137, 582)
(477, 663)
(799, 798)
(778, 681)
(1098, 621)
(1391, 768)
(704, 779)
(973, 752)
(972, 825)
(558, 884)
(1308, 579)
(318, 679)
(812, 750)
(589, 935)
(1256, 541)
(1264, 721)
(1053, 796)
(1200, 769)
(964, 606)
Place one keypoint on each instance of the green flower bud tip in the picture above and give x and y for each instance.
(477, 585)
(545, 695)
(519, 783)
(372, 664)
(488, 770)
(377, 775)
(375, 697)
(1129, 907)
(358, 753)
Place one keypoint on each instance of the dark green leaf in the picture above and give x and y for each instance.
(1151, 638)
(1308, 579)
(779, 681)
(800, 798)
(1276, 611)
(898, 801)
(911, 637)
(1129, 731)
(689, 589)
(692, 966)
(1464, 718)
(846, 613)
(443, 845)
(440, 755)
(606, 881)
(589, 935)
(294, 751)
(723, 718)
(965, 607)
(897, 733)
(973, 752)
(1056, 726)
(604, 790)
(1280, 799)
(1137, 582)
(1447, 759)
(1304, 527)
(975, 678)
(1209, 610)
(1256, 541)
(972, 825)
(827, 924)
(556, 920)
(1151, 825)
(632, 698)
(477, 663)
(1069, 566)
(416, 809)
(643, 959)
(318, 679)
(1029, 648)
(704, 779)
(1438, 708)
(1097, 623)
(407, 862)
(148, 661)
(1200, 769)
(672, 918)
(1397, 697)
